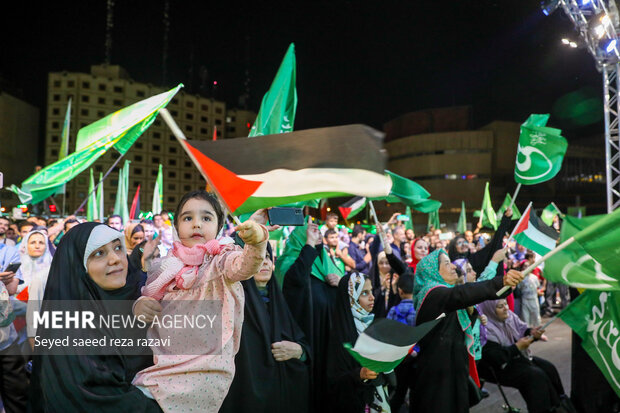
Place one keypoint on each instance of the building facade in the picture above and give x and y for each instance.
(109, 88)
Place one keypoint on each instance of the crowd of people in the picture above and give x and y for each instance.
(282, 337)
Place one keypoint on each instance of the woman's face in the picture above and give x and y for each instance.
(447, 270)
(410, 234)
(384, 265)
(501, 310)
(420, 250)
(36, 245)
(197, 222)
(462, 246)
(471, 274)
(136, 239)
(263, 275)
(107, 266)
(149, 231)
(367, 300)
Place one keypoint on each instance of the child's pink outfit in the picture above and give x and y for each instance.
(183, 383)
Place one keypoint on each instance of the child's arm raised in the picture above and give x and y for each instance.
(239, 266)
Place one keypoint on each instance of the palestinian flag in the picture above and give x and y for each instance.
(353, 207)
(534, 234)
(249, 174)
(385, 343)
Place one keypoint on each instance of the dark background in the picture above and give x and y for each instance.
(357, 61)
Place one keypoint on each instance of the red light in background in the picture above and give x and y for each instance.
(52, 208)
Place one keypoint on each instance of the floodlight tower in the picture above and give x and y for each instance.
(598, 24)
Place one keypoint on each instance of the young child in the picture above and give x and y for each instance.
(530, 306)
(199, 268)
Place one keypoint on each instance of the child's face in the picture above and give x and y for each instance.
(197, 222)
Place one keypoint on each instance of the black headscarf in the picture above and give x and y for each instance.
(72, 383)
(261, 383)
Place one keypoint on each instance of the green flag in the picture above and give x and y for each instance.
(322, 265)
(158, 192)
(64, 136)
(489, 219)
(515, 211)
(91, 208)
(120, 205)
(277, 110)
(549, 213)
(461, 226)
(592, 261)
(540, 151)
(409, 224)
(595, 317)
(100, 199)
(409, 193)
(433, 221)
(115, 130)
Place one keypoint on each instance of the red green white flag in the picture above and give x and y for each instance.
(534, 234)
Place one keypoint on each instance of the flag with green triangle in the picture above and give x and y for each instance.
(409, 224)
(158, 192)
(277, 110)
(540, 151)
(461, 226)
(549, 213)
(595, 316)
(118, 130)
(100, 199)
(433, 221)
(515, 211)
(592, 261)
(487, 212)
(92, 212)
(353, 207)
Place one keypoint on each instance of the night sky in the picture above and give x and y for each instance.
(357, 62)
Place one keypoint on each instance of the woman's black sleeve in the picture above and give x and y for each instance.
(480, 259)
(498, 356)
(397, 265)
(299, 272)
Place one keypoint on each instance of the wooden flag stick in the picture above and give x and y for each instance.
(374, 215)
(514, 196)
(542, 259)
(178, 133)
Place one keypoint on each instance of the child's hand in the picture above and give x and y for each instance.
(251, 232)
(148, 308)
(262, 218)
(484, 320)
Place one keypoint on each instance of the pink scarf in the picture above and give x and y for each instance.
(192, 259)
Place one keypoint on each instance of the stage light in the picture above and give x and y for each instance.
(573, 45)
(549, 7)
(609, 45)
(565, 41)
(585, 3)
(599, 31)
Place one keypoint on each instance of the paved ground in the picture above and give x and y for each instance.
(556, 350)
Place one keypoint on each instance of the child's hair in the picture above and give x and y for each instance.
(329, 232)
(529, 255)
(405, 282)
(206, 196)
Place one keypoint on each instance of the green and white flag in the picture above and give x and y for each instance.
(409, 193)
(595, 317)
(534, 234)
(118, 130)
(433, 221)
(540, 152)
(353, 207)
(64, 141)
(120, 205)
(277, 110)
(515, 211)
(100, 199)
(549, 213)
(92, 210)
(489, 219)
(385, 343)
(158, 192)
(461, 226)
(409, 223)
(593, 260)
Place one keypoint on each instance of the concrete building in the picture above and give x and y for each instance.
(109, 88)
(19, 141)
(439, 149)
(239, 122)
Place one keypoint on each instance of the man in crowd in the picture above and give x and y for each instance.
(116, 222)
(399, 241)
(4, 228)
(149, 230)
(358, 251)
(164, 231)
(340, 255)
(24, 228)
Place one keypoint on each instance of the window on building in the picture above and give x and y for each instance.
(55, 125)
(100, 113)
(156, 135)
(204, 107)
(112, 197)
(81, 181)
(56, 98)
(189, 116)
(84, 112)
(175, 101)
(83, 124)
(172, 174)
(118, 89)
(204, 119)
(173, 150)
(55, 111)
(136, 184)
(218, 110)
(85, 98)
(139, 145)
(115, 155)
(218, 121)
(172, 199)
(189, 104)
(189, 128)
(187, 175)
(85, 85)
(102, 87)
(157, 122)
(70, 83)
(156, 147)
(81, 194)
(140, 93)
(172, 162)
(138, 158)
(174, 113)
(154, 172)
(118, 102)
(203, 131)
(98, 168)
(155, 159)
(101, 101)
(172, 187)
(187, 187)
(138, 171)
(188, 164)
(56, 83)
(55, 139)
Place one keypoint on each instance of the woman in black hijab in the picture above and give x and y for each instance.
(272, 372)
(90, 266)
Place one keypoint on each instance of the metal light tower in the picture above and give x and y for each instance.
(598, 24)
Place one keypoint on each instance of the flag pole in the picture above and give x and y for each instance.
(514, 196)
(99, 183)
(178, 133)
(542, 259)
(558, 209)
(374, 215)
